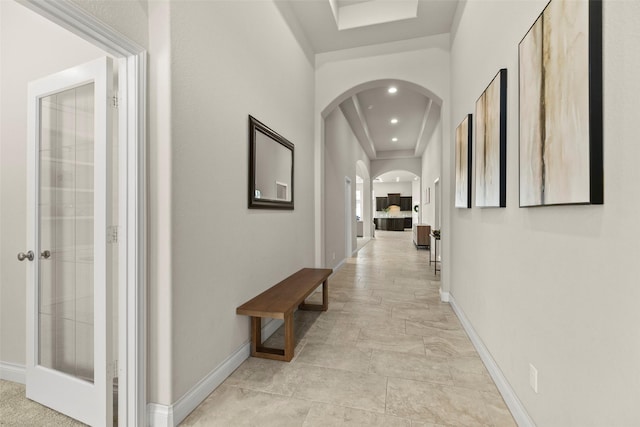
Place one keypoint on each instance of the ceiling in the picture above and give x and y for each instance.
(395, 176)
(407, 19)
(331, 25)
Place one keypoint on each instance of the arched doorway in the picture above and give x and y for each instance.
(343, 144)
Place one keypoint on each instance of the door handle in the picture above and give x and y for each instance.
(22, 256)
(45, 254)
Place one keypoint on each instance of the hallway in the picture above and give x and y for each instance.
(387, 353)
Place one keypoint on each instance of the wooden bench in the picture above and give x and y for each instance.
(280, 302)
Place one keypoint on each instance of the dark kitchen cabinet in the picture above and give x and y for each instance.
(408, 222)
(405, 204)
(391, 224)
(381, 203)
(394, 199)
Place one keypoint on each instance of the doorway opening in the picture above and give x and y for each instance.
(349, 218)
(128, 233)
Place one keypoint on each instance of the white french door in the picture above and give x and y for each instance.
(69, 289)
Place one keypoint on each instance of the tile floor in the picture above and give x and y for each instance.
(387, 353)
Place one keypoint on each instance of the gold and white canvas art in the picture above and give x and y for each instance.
(463, 163)
(491, 146)
(560, 112)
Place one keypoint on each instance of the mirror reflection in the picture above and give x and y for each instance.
(273, 169)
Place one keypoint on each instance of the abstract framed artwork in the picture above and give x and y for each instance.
(491, 144)
(561, 121)
(463, 163)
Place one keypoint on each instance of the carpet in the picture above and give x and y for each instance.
(17, 410)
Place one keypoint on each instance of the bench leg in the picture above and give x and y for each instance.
(256, 334)
(325, 300)
(258, 350)
(289, 337)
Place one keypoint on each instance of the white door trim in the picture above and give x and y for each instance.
(132, 190)
(348, 215)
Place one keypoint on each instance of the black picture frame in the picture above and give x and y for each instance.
(491, 144)
(463, 159)
(270, 167)
(577, 176)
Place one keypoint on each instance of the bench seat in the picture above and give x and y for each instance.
(280, 302)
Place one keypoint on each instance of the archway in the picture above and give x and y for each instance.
(326, 166)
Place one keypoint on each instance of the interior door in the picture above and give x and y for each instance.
(69, 298)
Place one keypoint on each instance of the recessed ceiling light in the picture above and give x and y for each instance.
(394, 139)
(392, 89)
(415, 178)
(394, 121)
(397, 179)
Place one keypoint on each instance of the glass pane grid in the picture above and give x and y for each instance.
(66, 231)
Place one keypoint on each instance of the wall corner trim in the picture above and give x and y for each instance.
(514, 404)
(13, 372)
(171, 415)
(444, 295)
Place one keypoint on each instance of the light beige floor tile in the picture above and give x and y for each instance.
(445, 323)
(270, 376)
(232, 406)
(324, 415)
(340, 332)
(401, 343)
(345, 357)
(375, 311)
(421, 424)
(426, 329)
(382, 325)
(500, 415)
(352, 389)
(411, 366)
(434, 403)
(419, 312)
(447, 346)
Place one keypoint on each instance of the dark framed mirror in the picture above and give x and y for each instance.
(270, 168)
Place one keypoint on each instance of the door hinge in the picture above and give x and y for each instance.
(112, 234)
(115, 368)
(115, 101)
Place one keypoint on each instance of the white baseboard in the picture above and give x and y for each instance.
(514, 404)
(338, 267)
(13, 372)
(172, 415)
(444, 296)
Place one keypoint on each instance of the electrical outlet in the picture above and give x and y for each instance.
(533, 377)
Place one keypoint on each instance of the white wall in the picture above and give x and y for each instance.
(431, 170)
(555, 286)
(31, 47)
(228, 61)
(342, 151)
(381, 189)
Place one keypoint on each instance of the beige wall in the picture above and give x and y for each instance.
(31, 47)
(431, 170)
(342, 151)
(555, 286)
(228, 61)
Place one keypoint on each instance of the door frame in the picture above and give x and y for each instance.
(132, 65)
(348, 214)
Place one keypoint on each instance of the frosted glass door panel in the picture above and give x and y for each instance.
(66, 285)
